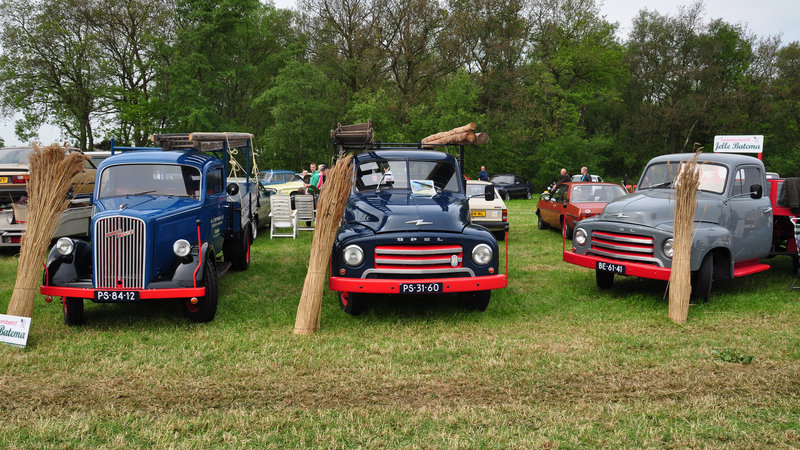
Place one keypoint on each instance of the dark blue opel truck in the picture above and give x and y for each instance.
(162, 217)
(406, 230)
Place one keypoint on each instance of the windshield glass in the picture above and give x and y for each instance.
(502, 179)
(15, 155)
(396, 174)
(265, 177)
(476, 189)
(662, 176)
(152, 179)
(595, 194)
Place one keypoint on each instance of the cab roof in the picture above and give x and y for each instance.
(729, 159)
(410, 153)
(187, 158)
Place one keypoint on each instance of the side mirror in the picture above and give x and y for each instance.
(546, 197)
(756, 191)
(489, 193)
(232, 189)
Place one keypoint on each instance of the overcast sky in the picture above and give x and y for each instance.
(761, 17)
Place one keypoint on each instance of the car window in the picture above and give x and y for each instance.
(152, 179)
(521, 180)
(596, 194)
(214, 181)
(662, 176)
(502, 179)
(558, 195)
(475, 189)
(15, 155)
(746, 177)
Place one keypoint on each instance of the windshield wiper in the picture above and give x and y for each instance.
(660, 185)
(378, 188)
(141, 193)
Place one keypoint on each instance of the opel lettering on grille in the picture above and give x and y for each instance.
(119, 234)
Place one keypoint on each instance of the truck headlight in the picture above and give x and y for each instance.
(579, 237)
(65, 246)
(181, 248)
(668, 250)
(353, 255)
(481, 254)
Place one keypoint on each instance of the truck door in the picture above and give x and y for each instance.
(751, 219)
(215, 220)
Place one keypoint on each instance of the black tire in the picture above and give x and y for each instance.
(206, 307)
(73, 311)
(499, 235)
(569, 231)
(541, 224)
(352, 304)
(254, 229)
(237, 251)
(527, 195)
(702, 279)
(476, 301)
(605, 280)
(506, 196)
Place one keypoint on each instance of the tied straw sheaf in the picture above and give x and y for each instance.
(52, 170)
(680, 286)
(330, 209)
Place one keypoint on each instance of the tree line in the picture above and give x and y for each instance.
(550, 80)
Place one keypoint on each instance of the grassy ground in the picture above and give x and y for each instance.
(552, 362)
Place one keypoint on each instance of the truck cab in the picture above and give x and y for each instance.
(160, 220)
(733, 224)
(406, 230)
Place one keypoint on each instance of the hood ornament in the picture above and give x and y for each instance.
(419, 222)
(621, 216)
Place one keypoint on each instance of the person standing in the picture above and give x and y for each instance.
(585, 174)
(313, 180)
(483, 175)
(564, 178)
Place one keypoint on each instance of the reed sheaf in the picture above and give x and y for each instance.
(330, 209)
(52, 172)
(680, 279)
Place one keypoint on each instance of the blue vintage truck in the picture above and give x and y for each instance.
(162, 218)
(406, 230)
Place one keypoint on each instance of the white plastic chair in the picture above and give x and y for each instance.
(305, 211)
(282, 216)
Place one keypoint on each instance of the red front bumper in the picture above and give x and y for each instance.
(631, 269)
(144, 294)
(373, 286)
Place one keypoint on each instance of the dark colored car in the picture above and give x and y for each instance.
(512, 186)
(573, 202)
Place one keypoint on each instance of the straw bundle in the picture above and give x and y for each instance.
(330, 209)
(686, 184)
(52, 170)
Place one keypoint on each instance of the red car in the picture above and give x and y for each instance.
(574, 202)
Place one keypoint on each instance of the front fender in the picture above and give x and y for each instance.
(709, 237)
(185, 272)
(60, 269)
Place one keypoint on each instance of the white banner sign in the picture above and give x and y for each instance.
(739, 144)
(14, 330)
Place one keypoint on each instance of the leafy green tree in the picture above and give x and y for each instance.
(301, 123)
(49, 69)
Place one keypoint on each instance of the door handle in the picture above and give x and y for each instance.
(768, 209)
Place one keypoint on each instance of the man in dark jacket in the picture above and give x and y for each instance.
(483, 175)
(585, 174)
(564, 178)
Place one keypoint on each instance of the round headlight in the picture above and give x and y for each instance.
(65, 246)
(579, 237)
(668, 250)
(482, 254)
(9, 218)
(181, 247)
(353, 255)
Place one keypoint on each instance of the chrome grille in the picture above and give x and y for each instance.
(627, 247)
(119, 252)
(417, 261)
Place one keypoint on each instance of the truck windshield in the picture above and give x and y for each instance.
(152, 179)
(396, 174)
(662, 176)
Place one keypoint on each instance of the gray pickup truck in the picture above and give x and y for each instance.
(733, 224)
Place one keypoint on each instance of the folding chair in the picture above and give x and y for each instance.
(282, 216)
(305, 211)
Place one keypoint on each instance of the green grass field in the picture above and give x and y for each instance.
(552, 362)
